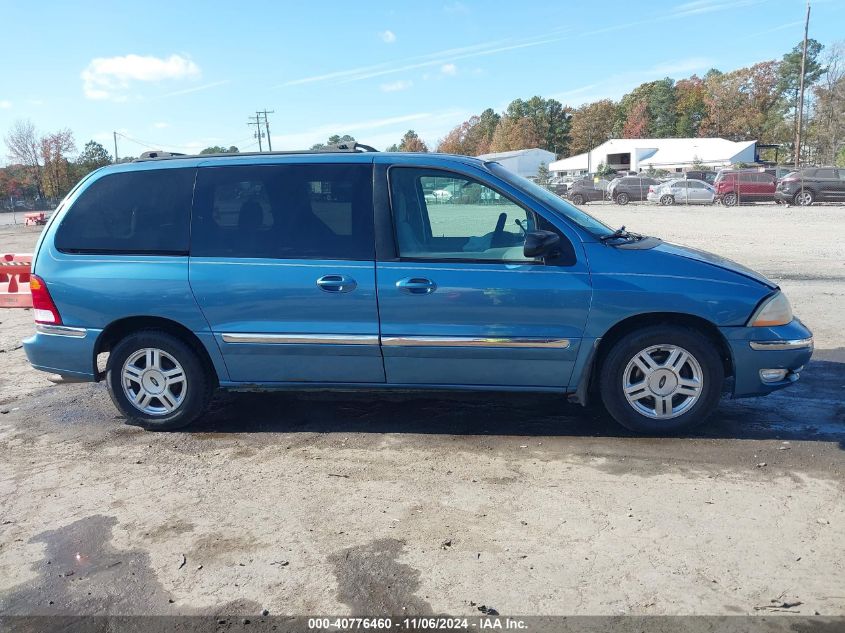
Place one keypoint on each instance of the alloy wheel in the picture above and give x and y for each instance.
(662, 381)
(153, 381)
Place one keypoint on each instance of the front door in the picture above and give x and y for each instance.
(460, 304)
(282, 266)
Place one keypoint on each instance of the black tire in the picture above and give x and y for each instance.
(622, 198)
(730, 199)
(198, 383)
(667, 200)
(804, 198)
(578, 199)
(613, 368)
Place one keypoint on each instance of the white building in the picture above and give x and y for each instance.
(523, 162)
(671, 154)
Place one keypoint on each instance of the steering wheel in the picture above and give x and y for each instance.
(499, 233)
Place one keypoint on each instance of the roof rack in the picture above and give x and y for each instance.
(348, 147)
(160, 154)
(339, 147)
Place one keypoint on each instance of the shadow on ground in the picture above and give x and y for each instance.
(813, 409)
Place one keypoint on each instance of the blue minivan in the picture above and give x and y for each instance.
(356, 269)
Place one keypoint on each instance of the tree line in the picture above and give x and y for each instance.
(758, 102)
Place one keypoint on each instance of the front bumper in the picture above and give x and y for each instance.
(63, 350)
(787, 347)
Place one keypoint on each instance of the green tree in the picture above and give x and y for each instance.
(661, 109)
(690, 108)
(334, 139)
(542, 178)
(93, 156)
(219, 149)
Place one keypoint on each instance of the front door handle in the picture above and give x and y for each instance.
(336, 283)
(416, 285)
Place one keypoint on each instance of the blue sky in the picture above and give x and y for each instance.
(185, 75)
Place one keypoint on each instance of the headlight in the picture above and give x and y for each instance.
(775, 311)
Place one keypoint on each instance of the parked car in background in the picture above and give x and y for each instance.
(682, 191)
(737, 185)
(814, 184)
(195, 273)
(706, 175)
(587, 190)
(623, 190)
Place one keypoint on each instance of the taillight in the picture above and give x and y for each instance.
(44, 309)
(651, 188)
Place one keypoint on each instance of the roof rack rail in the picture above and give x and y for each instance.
(160, 154)
(352, 146)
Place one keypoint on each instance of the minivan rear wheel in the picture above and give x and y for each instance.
(661, 379)
(157, 381)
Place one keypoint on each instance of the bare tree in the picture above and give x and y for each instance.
(25, 149)
(827, 128)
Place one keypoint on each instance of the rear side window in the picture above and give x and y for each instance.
(284, 212)
(136, 212)
(825, 173)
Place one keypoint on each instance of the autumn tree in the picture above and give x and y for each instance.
(592, 124)
(513, 134)
(472, 137)
(690, 108)
(55, 149)
(636, 124)
(411, 142)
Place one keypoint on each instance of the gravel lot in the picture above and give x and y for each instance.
(413, 503)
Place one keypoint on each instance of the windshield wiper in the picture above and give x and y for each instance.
(621, 234)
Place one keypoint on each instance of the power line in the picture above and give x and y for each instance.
(257, 120)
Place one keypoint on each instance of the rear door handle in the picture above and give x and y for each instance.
(336, 283)
(416, 285)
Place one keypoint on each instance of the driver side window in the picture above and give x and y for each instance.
(445, 216)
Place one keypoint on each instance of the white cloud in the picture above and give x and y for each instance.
(396, 86)
(388, 37)
(430, 60)
(449, 69)
(5, 104)
(160, 125)
(111, 77)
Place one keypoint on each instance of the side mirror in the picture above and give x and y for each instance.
(540, 243)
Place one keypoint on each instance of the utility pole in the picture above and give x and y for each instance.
(258, 132)
(115, 147)
(800, 112)
(267, 127)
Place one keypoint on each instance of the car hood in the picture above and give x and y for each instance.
(714, 260)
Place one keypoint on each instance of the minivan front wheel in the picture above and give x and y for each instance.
(622, 198)
(661, 379)
(157, 381)
(730, 199)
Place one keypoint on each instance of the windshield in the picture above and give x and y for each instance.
(551, 200)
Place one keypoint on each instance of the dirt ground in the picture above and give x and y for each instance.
(418, 503)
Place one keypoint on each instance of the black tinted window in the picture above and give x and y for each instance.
(284, 212)
(747, 177)
(133, 212)
(825, 173)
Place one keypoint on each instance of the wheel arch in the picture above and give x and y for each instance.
(117, 330)
(632, 323)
